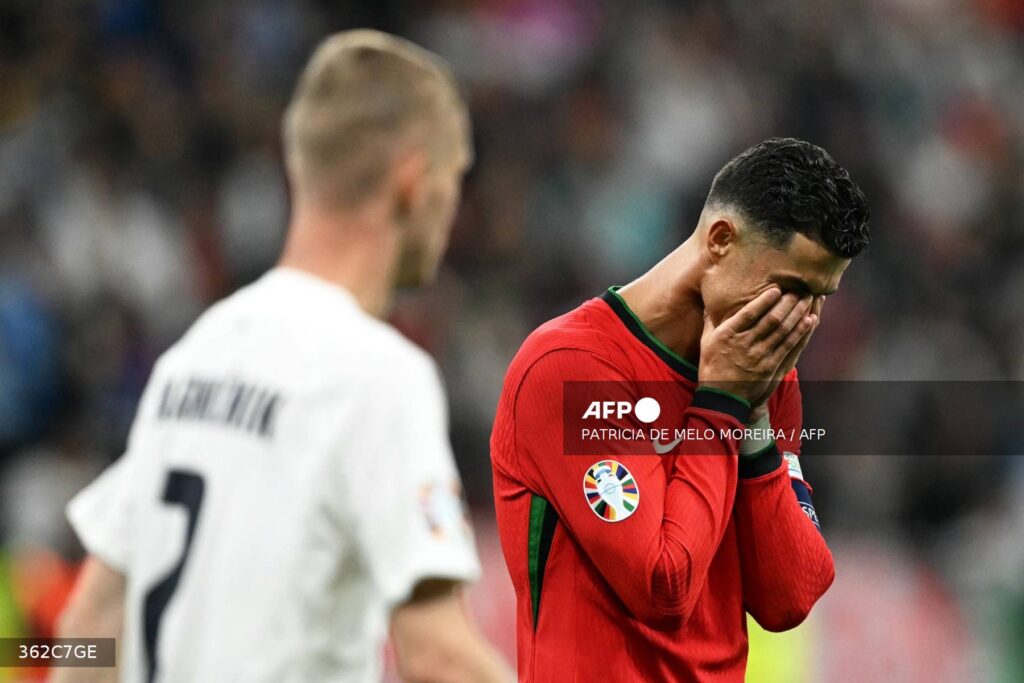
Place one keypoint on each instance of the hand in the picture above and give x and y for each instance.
(788, 363)
(744, 354)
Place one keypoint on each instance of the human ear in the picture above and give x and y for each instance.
(720, 238)
(409, 176)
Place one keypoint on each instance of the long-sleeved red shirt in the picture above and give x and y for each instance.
(638, 567)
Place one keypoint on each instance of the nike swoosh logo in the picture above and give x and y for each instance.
(663, 448)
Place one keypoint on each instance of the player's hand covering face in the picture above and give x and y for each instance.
(748, 270)
(750, 266)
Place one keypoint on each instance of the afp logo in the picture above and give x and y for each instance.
(646, 409)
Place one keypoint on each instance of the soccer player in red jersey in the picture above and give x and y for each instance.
(633, 567)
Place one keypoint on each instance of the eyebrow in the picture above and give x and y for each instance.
(801, 286)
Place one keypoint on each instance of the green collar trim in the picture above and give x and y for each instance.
(635, 325)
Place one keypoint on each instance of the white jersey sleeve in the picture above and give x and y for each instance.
(410, 521)
(101, 513)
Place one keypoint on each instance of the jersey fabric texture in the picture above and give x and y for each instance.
(660, 595)
(288, 480)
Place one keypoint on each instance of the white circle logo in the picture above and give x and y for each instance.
(647, 410)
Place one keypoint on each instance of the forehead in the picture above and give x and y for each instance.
(803, 267)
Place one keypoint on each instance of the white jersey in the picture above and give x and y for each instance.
(288, 480)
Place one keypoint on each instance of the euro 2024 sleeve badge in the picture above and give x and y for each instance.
(611, 491)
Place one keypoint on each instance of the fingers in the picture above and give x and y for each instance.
(789, 362)
(769, 324)
(771, 320)
(795, 353)
(795, 340)
(709, 330)
(775, 335)
(749, 315)
(819, 303)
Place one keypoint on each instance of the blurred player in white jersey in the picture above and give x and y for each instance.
(289, 492)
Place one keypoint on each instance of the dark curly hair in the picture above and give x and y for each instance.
(785, 186)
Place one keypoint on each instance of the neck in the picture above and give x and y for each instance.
(357, 250)
(667, 300)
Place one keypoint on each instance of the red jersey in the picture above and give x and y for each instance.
(651, 584)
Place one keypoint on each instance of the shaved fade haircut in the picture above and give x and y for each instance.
(363, 97)
(785, 186)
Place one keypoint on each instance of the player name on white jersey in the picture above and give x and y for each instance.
(232, 403)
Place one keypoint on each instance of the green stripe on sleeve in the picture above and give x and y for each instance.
(541, 533)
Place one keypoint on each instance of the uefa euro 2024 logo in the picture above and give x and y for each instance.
(611, 491)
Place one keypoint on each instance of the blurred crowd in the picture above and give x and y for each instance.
(141, 180)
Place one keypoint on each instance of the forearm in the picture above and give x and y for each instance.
(95, 610)
(466, 658)
(77, 622)
(698, 503)
(463, 658)
(83, 675)
(785, 562)
(436, 641)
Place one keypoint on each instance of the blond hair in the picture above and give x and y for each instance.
(361, 97)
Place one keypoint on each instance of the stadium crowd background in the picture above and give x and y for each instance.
(140, 180)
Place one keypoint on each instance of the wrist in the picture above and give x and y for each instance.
(712, 398)
(758, 411)
(720, 389)
(764, 462)
(757, 433)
